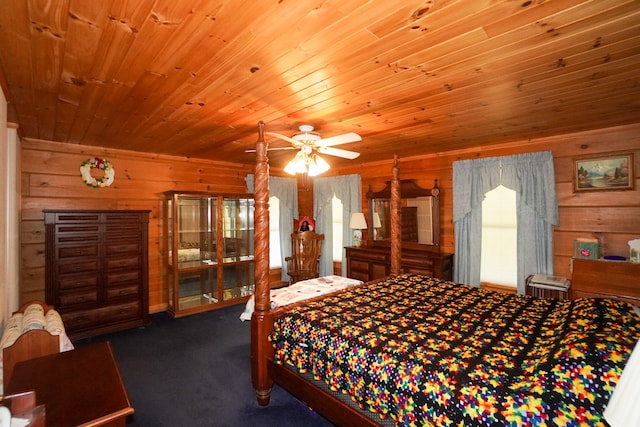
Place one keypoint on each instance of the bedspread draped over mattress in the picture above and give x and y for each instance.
(429, 352)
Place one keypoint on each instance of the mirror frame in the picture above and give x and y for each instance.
(408, 189)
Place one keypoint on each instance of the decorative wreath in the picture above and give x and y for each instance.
(103, 165)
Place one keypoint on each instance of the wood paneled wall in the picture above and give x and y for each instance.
(51, 179)
(611, 216)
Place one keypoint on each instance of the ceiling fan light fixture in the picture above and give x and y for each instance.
(303, 163)
(290, 168)
(317, 165)
(298, 164)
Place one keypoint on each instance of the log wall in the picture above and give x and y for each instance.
(611, 216)
(51, 179)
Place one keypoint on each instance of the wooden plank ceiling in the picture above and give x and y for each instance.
(193, 78)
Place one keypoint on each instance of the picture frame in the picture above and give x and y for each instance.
(604, 173)
(304, 224)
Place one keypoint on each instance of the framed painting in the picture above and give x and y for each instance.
(603, 173)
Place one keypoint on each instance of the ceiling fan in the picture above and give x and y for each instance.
(308, 141)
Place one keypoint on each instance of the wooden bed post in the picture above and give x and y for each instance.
(396, 220)
(261, 320)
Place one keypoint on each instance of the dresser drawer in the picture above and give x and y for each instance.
(122, 230)
(87, 319)
(64, 253)
(68, 299)
(121, 278)
(78, 236)
(120, 219)
(120, 312)
(122, 248)
(79, 266)
(371, 256)
(120, 263)
(358, 265)
(420, 262)
(122, 292)
(379, 271)
(67, 282)
(73, 218)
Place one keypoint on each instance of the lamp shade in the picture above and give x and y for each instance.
(357, 221)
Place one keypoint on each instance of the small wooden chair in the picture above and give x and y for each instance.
(304, 262)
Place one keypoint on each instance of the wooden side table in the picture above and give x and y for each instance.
(77, 387)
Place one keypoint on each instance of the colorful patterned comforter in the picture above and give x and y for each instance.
(429, 352)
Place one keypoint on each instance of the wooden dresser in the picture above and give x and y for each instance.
(374, 262)
(96, 273)
(605, 279)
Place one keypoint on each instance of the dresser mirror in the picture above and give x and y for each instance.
(420, 214)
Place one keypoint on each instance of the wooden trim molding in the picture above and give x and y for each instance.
(499, 287)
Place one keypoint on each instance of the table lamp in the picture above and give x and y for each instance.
(357, 224)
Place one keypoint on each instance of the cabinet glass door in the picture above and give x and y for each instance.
(197, 287)
(197, 231)
(237, 219)
(197, 258)
(237, 229)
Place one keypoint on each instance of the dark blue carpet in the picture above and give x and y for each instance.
(195, 371)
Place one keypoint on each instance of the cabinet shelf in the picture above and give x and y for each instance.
(209, 241)
(195, 265)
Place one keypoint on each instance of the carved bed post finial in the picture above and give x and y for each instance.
(262, 319)
(396, 220)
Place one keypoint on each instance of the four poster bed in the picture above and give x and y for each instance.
(414, 350)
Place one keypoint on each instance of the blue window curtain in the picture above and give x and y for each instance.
(532, 177)
(286, 190)
(347, 188)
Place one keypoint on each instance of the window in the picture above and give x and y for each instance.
(499, 237)
(337, 229)
(532, 176)
(275, 260)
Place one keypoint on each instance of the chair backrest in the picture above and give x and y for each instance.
(305, 254)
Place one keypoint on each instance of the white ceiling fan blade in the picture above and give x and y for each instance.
(346, 154)
(284, 138)
(253, 150)
(339, 139)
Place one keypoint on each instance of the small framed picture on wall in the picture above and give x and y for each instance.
(603, 173)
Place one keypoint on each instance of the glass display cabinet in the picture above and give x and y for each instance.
(209, 250)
